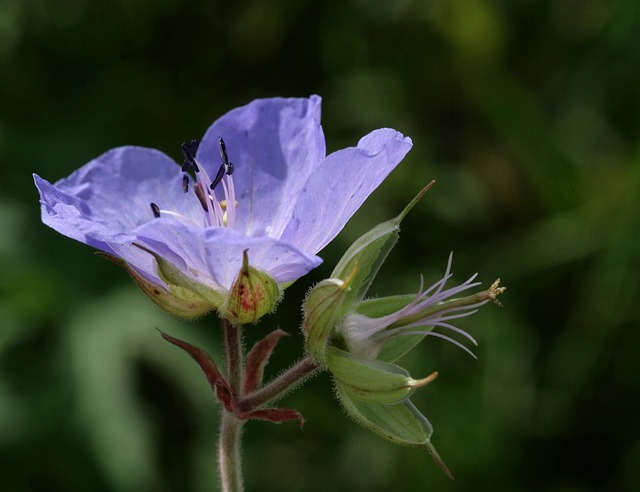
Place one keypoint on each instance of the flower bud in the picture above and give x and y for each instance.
(321, 309)
(252, 295)
(372, 380)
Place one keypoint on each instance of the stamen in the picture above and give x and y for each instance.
(178, 216)
(202, 196)
(189, 152)
(213, 208)
(218, 177)
(204, 186)
(222, 149)
(155, 209)
(230, 193)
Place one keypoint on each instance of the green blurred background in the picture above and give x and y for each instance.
(527, 113)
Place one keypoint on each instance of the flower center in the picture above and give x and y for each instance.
(216, 213)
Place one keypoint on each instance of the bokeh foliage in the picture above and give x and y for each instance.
(526, 112)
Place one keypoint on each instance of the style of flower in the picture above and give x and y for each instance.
(259, 186)
(432, 308)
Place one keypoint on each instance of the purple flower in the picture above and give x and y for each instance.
(433, 308)
(268, 188)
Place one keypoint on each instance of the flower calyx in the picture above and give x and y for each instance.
(182, 286)
(252, 295)
(176, 300)
(321, 310)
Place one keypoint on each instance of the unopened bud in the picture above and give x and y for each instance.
(321, 309)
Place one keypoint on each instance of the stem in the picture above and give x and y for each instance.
(233, 346)
(229, 462)
(282, 384)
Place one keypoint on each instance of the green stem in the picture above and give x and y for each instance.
(229, 462)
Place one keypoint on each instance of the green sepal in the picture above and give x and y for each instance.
(320, 312)
(372, 380)
(253, 294)
(182, 285)
(401, 423)
(177, 301)
(368, 253)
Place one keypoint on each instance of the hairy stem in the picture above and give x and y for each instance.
(282, 384)
(233, 347)
(229, 460)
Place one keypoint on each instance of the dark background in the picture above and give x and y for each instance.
(527, 113)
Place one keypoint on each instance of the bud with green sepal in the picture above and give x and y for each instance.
(252, 295)
(321, 309)
(370, 335)
(372, 380)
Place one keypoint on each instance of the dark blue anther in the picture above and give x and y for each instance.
(222, 148)
(185, 183)
(218, 177)
(155, 209)
(189, 152)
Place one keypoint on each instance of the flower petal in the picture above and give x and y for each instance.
(275, 144)
(111, 195)
(214, 256)
(340, 185)
(74, 217)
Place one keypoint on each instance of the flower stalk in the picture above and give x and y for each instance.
(229, 458)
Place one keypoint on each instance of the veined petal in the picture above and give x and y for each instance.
(113, 193)
(214, 256)
(340, 185)
(138, 205)
(275, 145)
(76, 218)
(73, 217)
